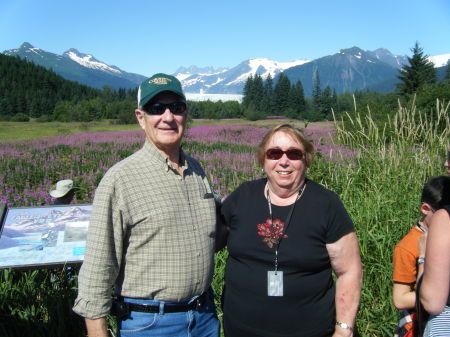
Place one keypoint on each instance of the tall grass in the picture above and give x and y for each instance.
(381, 189)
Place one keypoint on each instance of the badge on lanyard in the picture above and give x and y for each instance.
(274, 283)
(275, 277)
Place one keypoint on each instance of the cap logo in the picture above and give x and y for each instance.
(160, 81)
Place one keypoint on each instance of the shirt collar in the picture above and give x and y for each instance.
(157, 156)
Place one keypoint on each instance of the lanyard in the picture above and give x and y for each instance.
(288, 219)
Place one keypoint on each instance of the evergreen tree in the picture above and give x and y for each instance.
(281, 94)
(33, 90)
(327, 103)
(248, 92)
(297, 100)
(420, 71)
(317, 93)
(268, 95)
(258, 93)
(447, 72)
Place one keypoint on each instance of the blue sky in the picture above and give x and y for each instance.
(148, 36)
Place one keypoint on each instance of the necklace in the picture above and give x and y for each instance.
(288, 219)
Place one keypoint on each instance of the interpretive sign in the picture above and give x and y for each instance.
(47, 236)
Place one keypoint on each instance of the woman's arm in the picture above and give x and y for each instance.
(436, 277)
(346, 263)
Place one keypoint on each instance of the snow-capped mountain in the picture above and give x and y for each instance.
(232, 81)
(90, 61)
(348, 69)
(440, 60)
(76, 66)
(384, 55)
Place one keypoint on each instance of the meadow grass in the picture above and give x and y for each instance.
(12, 131)
(381, 189)
(378, 171)
(15, 131)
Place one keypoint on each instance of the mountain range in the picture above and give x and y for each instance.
(79, 67)
(347, 70)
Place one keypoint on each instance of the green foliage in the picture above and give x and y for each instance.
(20, 117)
(252, 114)
(381, 190)
(34, 90)
(39, 303)
(123, 111)
(281, 95)
(297, 101)
(214, 110)
(428, 93)
(447, 73)
(419, 72)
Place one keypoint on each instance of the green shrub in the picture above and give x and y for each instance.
(20, 117)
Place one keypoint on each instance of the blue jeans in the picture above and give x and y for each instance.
(194, 323)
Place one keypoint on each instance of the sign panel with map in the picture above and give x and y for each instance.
(48, 236)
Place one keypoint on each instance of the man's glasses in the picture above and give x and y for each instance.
(177, 108)
(292, 154)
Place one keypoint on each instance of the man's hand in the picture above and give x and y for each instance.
(96, 327)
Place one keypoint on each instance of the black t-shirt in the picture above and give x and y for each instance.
(307, 307)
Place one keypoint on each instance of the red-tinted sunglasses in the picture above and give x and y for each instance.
(292, 154)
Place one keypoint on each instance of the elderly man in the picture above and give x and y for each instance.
(152, 231)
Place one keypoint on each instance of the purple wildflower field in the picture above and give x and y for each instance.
(29, 170)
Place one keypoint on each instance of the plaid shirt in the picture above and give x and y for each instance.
(151, 234)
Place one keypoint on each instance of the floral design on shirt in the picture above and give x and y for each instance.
(271, 232)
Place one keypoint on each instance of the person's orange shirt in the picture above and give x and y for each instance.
(406, 253)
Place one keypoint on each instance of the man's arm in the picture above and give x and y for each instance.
(96, 327)
(346, 263)
(102, 259)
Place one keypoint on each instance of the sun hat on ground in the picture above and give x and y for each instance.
(62, 188)
(156, 84)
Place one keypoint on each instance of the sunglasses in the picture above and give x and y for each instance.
(292, 154)
(177, 108)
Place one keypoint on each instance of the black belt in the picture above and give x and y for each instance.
(122, 309)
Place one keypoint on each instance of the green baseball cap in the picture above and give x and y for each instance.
(156, 84)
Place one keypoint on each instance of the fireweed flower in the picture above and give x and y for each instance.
(28, 169)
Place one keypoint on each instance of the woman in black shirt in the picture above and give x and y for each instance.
(287, 234)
